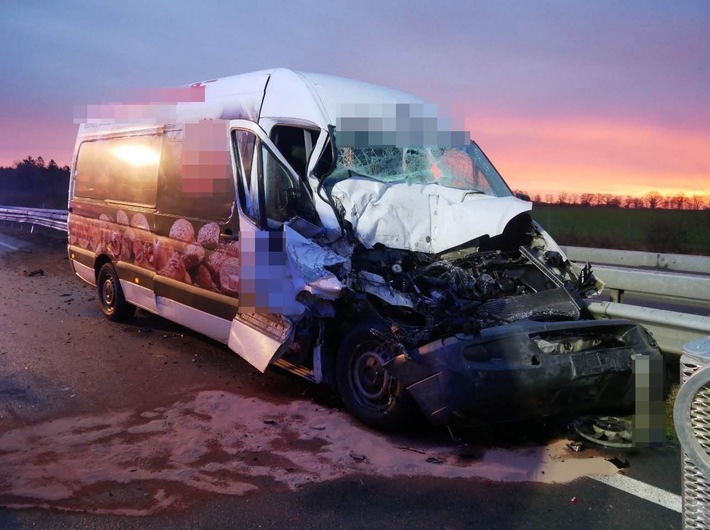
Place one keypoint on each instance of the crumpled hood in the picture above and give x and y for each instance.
(422, 217)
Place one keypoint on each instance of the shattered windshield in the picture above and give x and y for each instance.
(465, 168)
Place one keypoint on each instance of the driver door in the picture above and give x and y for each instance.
(270, 193)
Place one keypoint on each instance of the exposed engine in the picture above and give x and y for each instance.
(424, 296)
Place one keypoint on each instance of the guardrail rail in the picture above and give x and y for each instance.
(56, 219)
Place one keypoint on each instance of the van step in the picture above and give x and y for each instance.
(296, 369)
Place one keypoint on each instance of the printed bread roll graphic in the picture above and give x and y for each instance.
(162, 253)
(73, 232)
(203, 278)
(83, 234)
(143, 254)
(127, 241)
(122, 218)
(174, 269)
(231, 248)
(114, 244)
(208, 236)
(194, 255)
(108, 243)
(143, 245)
(182, 230)
(95, 238)
(214, 264)
(229, 276)
(139, 221)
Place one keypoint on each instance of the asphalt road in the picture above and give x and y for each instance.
(148, 425)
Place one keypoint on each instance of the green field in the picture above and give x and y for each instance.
(668, 231)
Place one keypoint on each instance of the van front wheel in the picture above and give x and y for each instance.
(113, 303)
(369, 391)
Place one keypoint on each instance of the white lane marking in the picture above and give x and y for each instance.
(645, 491)
(8, 245)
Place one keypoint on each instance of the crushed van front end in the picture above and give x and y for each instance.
(524, 369)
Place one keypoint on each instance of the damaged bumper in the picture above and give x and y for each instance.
(524, 369)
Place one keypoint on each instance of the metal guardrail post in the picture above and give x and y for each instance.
(691, 416)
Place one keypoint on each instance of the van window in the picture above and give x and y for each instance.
(121, 169)
(296, 145)
(244, 143)
(284, 196)
(195, 173)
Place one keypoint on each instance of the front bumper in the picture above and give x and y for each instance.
(504, 373)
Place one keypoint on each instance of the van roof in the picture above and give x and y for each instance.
(277, 93)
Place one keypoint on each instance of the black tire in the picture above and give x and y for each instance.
(111, 299)
(370, 393)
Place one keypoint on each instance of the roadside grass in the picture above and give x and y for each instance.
(669, 427)
(668, 231)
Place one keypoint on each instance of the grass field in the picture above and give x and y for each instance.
(669, 231)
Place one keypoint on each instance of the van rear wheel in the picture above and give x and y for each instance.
(111, 299)
(369, 391)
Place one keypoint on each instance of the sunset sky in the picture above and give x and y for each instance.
(607, 96)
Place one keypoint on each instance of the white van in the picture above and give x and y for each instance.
(341, 231)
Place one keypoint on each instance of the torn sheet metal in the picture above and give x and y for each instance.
(259, 339)
(375, 284)
(424, 218)
(308, 262)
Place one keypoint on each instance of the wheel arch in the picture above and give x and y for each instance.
(100, 261)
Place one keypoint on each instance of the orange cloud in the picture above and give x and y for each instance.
(580, 155)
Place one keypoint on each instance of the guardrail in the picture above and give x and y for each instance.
(681, 277)
(671, 276)
(670, 329)
(634, 258)
(56, 219)
(656, 277)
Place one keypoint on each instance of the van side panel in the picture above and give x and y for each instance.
(155, 203)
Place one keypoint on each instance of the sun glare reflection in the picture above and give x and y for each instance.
(137, 155)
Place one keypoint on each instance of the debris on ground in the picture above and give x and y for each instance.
(575, 446)
(609, 431)
(620, 464)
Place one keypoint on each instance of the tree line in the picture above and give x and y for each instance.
(651, 200)
(34, 183)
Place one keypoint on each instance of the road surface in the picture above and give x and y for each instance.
(149, 425)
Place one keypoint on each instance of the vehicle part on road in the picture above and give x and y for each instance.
(609, 431)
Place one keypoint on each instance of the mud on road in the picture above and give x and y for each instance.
(140, 418)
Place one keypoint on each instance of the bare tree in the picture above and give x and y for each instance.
(678, 201)
(604, 198)
(562, 197)
(696, 202)
(549, 199)
(614, 201)
(586, 199)
(653, 199)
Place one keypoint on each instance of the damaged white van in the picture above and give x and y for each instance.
(341, 231)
